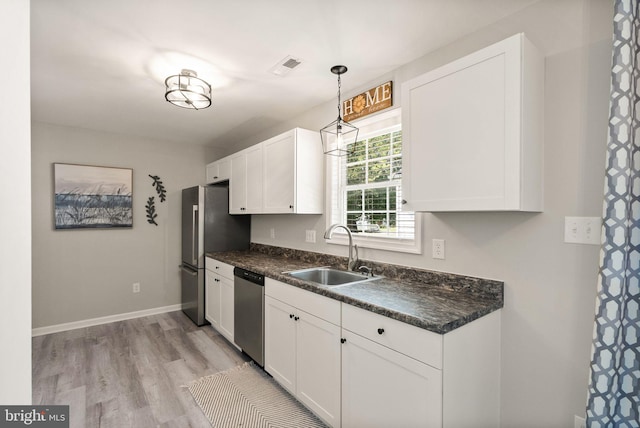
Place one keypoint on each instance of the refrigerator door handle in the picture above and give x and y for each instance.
(194, 236)
(189, 271)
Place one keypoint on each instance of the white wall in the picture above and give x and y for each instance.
(84, 274)
(549, 285)
(15, 215)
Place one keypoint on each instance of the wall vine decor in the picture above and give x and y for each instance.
(162, 192)
(151, 210)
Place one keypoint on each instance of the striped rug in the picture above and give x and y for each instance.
(247, 397)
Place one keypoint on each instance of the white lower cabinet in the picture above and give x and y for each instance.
(384, 388)
(212, 299)
(355, 368)
(280, 343)
(396, 374)
(391, 372)
(302, 350)
(218, 309)
(226, 308)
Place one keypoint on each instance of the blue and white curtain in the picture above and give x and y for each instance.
(614, 390)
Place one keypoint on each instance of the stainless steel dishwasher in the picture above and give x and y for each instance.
(248, 313)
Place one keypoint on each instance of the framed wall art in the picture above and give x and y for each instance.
(92, 197)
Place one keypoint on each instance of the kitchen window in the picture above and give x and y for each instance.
(366, 189)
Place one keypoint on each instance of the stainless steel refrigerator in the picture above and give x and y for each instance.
(206, 227)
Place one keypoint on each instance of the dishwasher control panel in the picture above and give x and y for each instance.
(256, 278)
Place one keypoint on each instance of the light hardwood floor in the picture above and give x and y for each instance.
(130, 373)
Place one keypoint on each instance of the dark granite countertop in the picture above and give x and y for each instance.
(436, 301)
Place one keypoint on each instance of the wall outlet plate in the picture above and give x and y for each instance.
(437, 249)
(136, 287)
(310, 236)
(579, 422)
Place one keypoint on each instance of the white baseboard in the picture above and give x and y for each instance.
(103, 320)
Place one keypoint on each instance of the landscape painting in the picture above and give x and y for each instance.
(92, 197)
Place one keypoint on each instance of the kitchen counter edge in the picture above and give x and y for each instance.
(273, 267)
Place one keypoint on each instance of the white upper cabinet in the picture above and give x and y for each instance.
(283, 174)
(473, 132)
(293, 180)
(219, 170)
(245, 184)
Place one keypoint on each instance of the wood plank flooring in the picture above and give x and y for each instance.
(130, 373)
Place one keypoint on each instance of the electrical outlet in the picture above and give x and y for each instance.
(310, 236)
(136, 287)
(272, 233)
(437, 249)
(579, 422)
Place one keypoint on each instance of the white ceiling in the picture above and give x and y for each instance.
(101, 64)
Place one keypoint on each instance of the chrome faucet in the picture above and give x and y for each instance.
(351, 264)
(366, 270)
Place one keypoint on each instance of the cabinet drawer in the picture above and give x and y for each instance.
(315, 304)
(220, 268)
(407, 339)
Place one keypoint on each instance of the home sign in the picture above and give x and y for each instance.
(371, 101)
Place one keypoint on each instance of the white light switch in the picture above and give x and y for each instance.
(582, 230)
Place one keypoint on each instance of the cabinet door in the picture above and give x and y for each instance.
(383, 388)
(254, 179)
(219, 170)
(212, 299)
(226, 308)
(238, 184)
(279, 173)
(280, 343)
(472, 132)
(224, 169)
(212, 172)
(318, 366)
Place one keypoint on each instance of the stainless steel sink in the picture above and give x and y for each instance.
(330, 277)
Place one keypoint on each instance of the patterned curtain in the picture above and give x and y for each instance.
(614, 390)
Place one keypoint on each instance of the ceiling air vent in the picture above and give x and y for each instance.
(284, 67)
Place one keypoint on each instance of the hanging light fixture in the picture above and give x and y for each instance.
(187, 90)
(339, 135)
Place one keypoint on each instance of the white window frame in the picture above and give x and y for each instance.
(335, 199)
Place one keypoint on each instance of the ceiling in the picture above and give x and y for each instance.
(101, 64)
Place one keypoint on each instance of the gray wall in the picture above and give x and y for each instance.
(15, 215)
(550, 285)
(84, 274)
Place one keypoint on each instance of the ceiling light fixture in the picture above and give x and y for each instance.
(187, 90)
(339, 135)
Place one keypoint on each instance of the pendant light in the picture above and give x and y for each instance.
(339, 137)
(187, 90)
